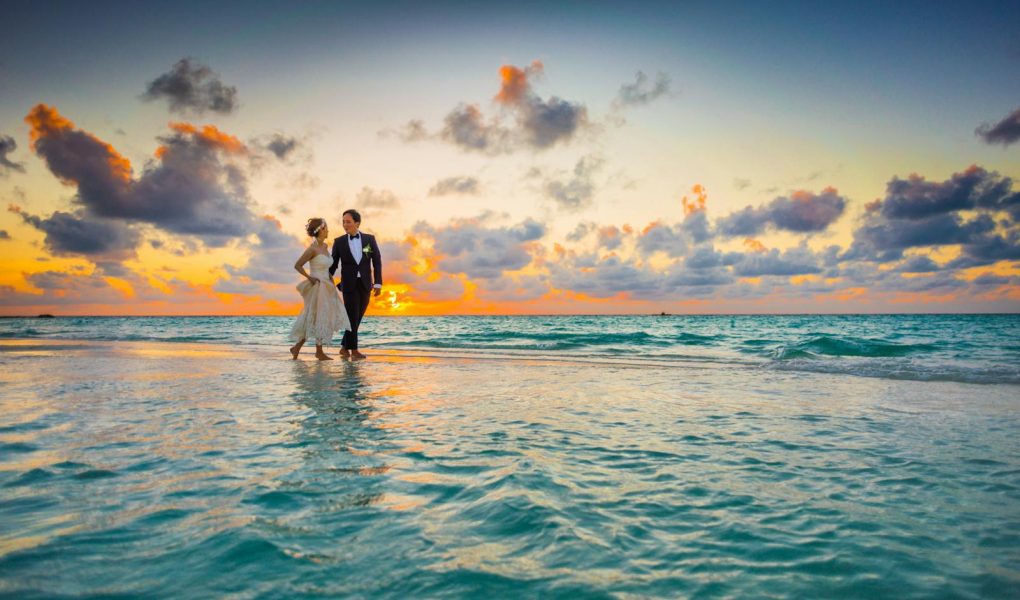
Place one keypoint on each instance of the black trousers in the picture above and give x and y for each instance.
(356, 302)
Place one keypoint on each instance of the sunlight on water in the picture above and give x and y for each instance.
(156, 468)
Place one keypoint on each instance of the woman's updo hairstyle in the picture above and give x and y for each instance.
(314, 225)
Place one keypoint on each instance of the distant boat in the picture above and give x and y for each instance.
(665, 314)
(45, 316)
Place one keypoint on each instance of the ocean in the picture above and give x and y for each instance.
(965, 348)
(586, 456)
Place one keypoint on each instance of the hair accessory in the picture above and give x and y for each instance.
(321, 225)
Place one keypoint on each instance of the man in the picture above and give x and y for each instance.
(353, 253)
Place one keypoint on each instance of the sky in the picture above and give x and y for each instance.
(513, 158)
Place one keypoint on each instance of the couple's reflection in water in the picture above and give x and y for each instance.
(343, 455)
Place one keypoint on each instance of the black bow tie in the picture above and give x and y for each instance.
(354, 237)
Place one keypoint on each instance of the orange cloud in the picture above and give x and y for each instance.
(46, 123)
(808, 197)
(698, 204)
(514, 84)
(847, 295)
(754, 245)
(121, 285)
(212, 136)
(652, 226)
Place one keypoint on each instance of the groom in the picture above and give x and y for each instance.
(353, 253)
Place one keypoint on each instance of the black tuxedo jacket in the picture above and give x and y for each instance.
(344, 260)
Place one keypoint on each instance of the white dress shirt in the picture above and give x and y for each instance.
(356, 251)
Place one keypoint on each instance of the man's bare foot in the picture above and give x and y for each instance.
(355, 355)
(345, 353)
(323, 356)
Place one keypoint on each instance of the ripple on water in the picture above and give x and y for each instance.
(464, 479)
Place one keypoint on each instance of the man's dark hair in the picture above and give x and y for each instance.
(354, 215)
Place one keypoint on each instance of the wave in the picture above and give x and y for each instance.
(827, 345)
(929, 348)
(113, 336)
(903, 370)
(552, 341)
(21, 333)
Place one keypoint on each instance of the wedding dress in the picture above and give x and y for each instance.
(323, 313)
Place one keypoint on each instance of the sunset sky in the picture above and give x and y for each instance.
(582, 157)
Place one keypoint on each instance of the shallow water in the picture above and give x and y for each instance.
(963, 348)
(162, 470)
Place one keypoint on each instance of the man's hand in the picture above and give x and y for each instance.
(377, 291)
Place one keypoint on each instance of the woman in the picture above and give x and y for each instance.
(323, 313)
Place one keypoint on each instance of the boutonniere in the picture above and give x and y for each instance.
(367, 249)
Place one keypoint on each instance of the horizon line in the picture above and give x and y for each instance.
(642, 314)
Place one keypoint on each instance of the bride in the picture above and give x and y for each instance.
(323, 313)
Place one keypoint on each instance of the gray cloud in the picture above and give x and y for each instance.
(640, 92)
(705, 256)
(698, 282)
(610, 237)
(413, 131)
(477, 251)
(281, 146)
(803, 212)
(193, 189)
(975, 188)
(963, 210)
(192, 86)
(369, 198)
(795, 261)
(547, 122)
(455, 185)
(4, 235)
(695, 226)
(675, 240)
(938, 230)
(659, 237)
(1005, 132)
(514, 289)
(78, 234)
(538, 123)
(466, 128)
(79, 288)
(270, 258)
(606, 277)
(918, 264)
(992, 280)
(699, 276)
(581, 231)
(577, 192)
(8, 145)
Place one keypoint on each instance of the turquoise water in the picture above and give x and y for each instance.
(700, 461)
(966, 348)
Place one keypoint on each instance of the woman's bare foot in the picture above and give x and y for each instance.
(296, 348)
(319, 354)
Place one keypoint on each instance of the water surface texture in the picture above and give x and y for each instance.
(966, 348)
(171, 468)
